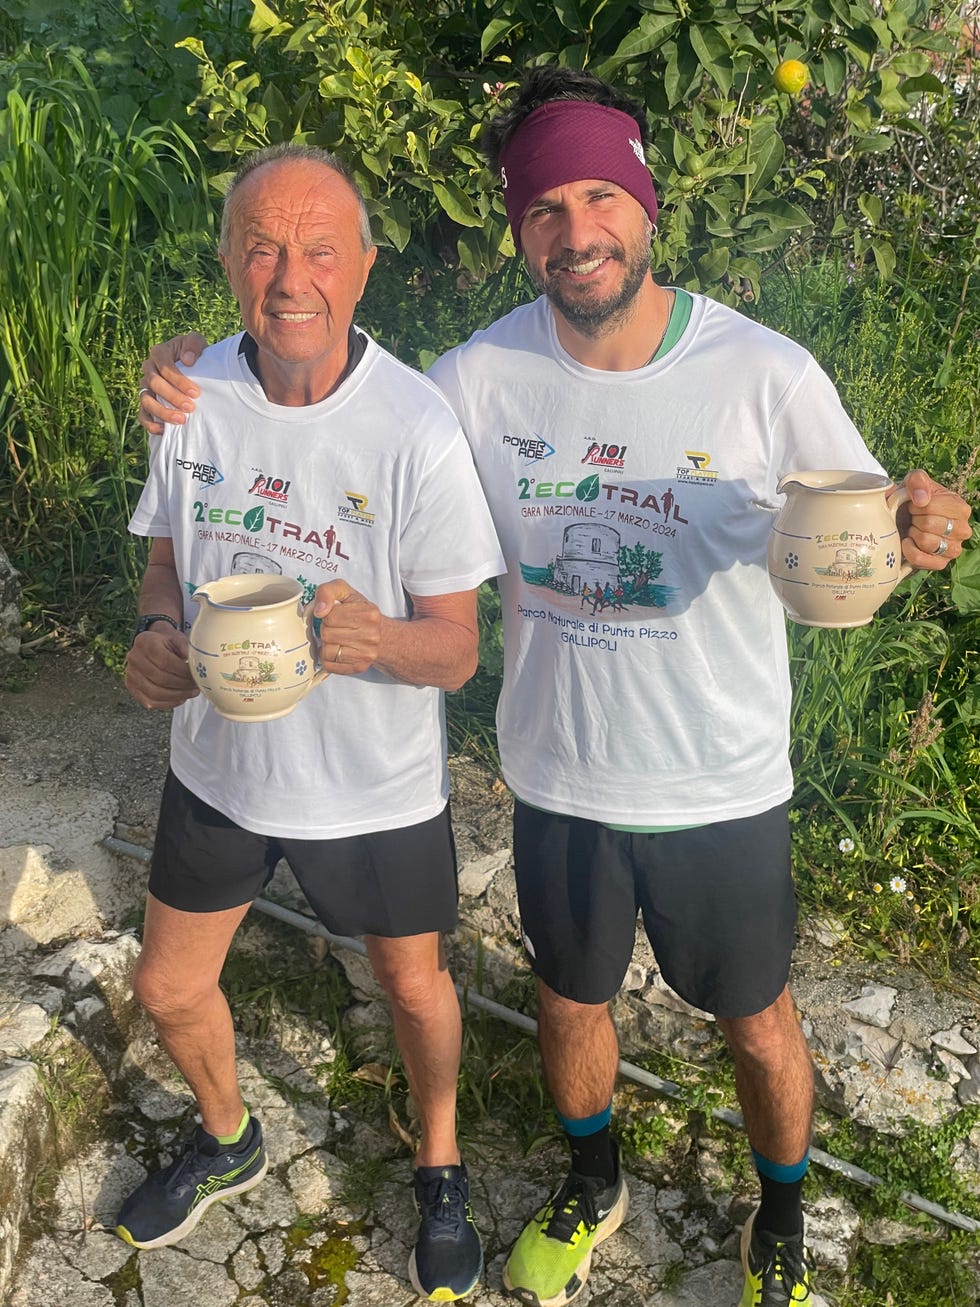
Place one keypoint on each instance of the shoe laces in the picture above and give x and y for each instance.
(573, 1205)
(197, 1155)
(442, 1206)
(784, 1270)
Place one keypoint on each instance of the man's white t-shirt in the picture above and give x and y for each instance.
(376, 485)
(646, 678)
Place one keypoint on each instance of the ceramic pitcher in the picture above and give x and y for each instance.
(834, 553)
(251, 649)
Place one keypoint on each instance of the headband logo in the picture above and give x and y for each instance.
(637, 149)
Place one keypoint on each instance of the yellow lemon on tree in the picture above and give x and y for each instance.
(791, 76)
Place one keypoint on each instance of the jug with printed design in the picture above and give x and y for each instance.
(252, 653)
(834, 553)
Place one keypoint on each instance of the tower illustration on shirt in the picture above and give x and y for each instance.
(595, 566)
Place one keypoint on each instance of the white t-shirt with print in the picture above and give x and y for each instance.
(376, 485)
(646, 678)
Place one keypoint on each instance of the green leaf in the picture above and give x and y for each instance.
(456, 203)
(767, 155)
(885, 257)
(263, 18)
(927, 84)
(646, 36)
(683, 70)
(713, 54)
(964, 577)
(494, 33)
(871, 207)
(834, 71)
(911, 63)
(713, 265)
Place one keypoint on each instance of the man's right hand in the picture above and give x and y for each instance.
(157, 672)
(166, 394)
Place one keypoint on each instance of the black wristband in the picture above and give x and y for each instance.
(147, 620)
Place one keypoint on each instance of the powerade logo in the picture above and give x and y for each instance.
(206, 473)
(532, 450)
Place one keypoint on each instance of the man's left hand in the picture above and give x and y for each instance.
(934, 523)
(350, 629)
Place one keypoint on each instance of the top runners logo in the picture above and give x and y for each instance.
(357, 512)
(697, 473)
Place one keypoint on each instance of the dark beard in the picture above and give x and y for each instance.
(596, 317)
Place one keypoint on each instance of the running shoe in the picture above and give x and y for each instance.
(549, 1264)
(169, 1203)
(776, 1269)
(447, 1260)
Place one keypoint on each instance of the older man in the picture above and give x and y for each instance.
(646, 740)
(318, 455)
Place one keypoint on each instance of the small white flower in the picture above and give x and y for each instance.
(846, 845)
(897, 884)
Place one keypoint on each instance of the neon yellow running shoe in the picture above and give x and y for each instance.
(776, 1270)
(549, 1264)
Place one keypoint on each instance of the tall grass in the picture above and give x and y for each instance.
(886, 717)
(82, 206)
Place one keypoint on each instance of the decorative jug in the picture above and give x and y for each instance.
(834, 553)
(251, 649)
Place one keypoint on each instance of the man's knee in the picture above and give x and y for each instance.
(766, 1037)
(566, 1012)
(413, 977)
(166, 996)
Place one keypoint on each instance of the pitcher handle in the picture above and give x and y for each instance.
(321, 672)
(899, 496)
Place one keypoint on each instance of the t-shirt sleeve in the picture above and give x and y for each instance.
(811, 429)
(152, 514)
(448, 542)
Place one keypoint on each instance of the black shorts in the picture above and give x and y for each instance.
(717, 902)
(391, 883)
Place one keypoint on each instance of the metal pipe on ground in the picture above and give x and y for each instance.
(664, 1088)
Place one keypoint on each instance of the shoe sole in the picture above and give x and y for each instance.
(743, 1248)
(606, 1227)
(181, 1231)
(444, 1294)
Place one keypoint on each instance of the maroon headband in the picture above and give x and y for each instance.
(570, 141)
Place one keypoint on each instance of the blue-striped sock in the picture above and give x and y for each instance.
(781, 1209)
(590, 1143)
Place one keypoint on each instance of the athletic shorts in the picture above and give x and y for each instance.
(717, 903)
(391, 883)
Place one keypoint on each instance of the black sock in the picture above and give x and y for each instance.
(594, 1154)
(781, 1210)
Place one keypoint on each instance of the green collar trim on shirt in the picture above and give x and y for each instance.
(680, 316)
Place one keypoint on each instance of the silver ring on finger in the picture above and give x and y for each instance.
(947, 530)
(143, 390)
(941, 548)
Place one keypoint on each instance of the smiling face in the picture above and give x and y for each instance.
(296, 263)
(587, 247)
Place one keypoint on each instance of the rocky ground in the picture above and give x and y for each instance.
(333, 1222)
